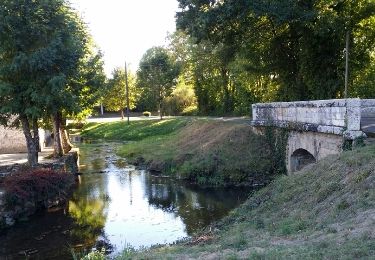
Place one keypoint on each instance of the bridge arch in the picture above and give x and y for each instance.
(301, 158)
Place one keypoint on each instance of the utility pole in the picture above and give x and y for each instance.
(347, 63)
(127, 93)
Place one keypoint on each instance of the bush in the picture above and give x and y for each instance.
(76, 125)
(147, 114)
(36, 188)
(190, 111)
(182, 98)
(95, 255)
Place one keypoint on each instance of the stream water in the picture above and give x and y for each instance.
(116, 206)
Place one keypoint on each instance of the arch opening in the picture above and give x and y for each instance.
(301, 158)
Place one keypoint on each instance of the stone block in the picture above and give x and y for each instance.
(353, 114)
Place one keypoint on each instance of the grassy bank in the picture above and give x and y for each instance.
(326, 211)
(210, 152)
(136, 131)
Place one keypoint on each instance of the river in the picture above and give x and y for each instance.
(117, 206)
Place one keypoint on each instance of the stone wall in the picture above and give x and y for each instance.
(336, 116)
(368, 116)
(322, 112)
(318, 145)
(12, 140)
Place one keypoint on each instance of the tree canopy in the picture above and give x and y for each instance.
(157, 76)
(115, 98)
(277, 50)
(45, 56)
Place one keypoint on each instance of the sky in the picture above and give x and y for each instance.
(125, 29)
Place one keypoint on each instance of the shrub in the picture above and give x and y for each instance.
(95, 255)
(36, 188)
(76, 125)
(147, 114)
(182, 97)
(190, 111)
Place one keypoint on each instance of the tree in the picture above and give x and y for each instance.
(43, 48)
(115, 98)
(157, 76)
(295, 47)
(204, 67)
(182, 98)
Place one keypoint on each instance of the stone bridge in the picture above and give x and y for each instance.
(317, 128)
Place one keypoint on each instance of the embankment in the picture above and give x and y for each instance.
(205, 151)
(326, 211)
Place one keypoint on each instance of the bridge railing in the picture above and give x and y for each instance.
(368, 115)
(335, 116)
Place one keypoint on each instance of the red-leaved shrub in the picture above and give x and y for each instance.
(36, 187)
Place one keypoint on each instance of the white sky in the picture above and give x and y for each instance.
(125, 29)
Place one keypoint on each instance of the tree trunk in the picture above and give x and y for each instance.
(160, 110)
(36, 135)
(32, 147)
(67, 146)
(57, 143)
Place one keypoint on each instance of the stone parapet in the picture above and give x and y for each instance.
(368, 116)
(335, 116)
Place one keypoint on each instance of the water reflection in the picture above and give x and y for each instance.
(196, 207)
(116, 205)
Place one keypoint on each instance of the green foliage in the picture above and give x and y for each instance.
(156, 78)
(238, 52)
(45, 48)
(95, 255)
(291, 226)
(146, 114)
(115, 97)
(277, 140)
(48, 64)
(137, 130)
(182, 97)
(190, 111)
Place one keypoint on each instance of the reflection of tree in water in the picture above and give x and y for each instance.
(197, 207)
(89, 207)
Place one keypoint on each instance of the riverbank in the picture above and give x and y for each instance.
(326, 211)
(204, 151)
(25, 191)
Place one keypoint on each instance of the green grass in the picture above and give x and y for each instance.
(137, 130)
(207, 152)
(202, 150)
(326, 211)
